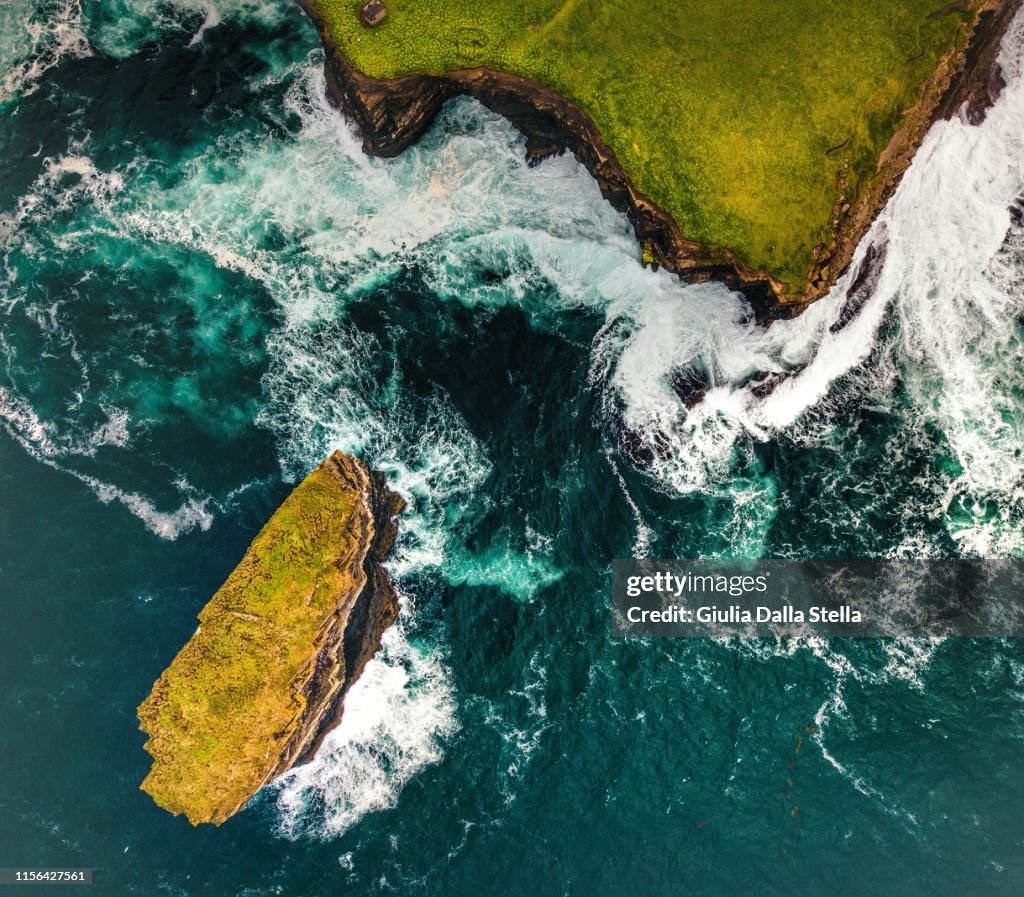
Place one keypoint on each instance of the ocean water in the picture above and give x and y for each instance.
(206, 287)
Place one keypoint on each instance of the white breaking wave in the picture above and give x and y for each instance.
(644, 534)
(212, 20)
(322, 394)
(193, 513)
(65, 182)
(40, 441)
(397, 715)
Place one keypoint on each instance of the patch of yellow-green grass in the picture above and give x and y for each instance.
(220, 714)
(721, 112)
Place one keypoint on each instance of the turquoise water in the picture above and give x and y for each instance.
(206, 287)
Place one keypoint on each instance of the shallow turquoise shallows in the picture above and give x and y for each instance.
(206, 287)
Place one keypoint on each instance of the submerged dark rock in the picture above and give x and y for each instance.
(863, 285)
(1017, 212)
(633, 446)
(691, 386)
(640, 448)
(763, 383)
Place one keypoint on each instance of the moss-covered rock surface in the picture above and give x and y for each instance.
(263, 675)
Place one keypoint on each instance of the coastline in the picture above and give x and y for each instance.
(392, 114)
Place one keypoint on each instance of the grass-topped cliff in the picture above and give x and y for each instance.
(759, 127)
(255, 687)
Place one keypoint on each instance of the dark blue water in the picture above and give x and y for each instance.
(206, 287)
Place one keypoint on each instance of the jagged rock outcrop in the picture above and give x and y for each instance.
(264, 677)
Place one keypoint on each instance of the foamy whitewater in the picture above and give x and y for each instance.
(207, 286)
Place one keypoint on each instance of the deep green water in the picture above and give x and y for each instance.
(206, 287)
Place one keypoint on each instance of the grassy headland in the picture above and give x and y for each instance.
(753, 125)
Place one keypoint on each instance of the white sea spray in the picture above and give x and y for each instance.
(396, 718)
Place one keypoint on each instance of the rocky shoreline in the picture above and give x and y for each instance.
(391, 114)
(352, 635)
(263, 679)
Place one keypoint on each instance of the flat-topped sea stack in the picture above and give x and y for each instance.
(751, 142)
(263, 678)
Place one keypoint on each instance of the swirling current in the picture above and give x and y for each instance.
(206, 287)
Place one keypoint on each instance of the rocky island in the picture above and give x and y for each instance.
(262, 680)
(752, 143)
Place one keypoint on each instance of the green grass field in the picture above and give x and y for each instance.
(221, 713)
(723, 113)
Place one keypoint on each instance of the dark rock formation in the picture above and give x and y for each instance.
(691, 386)
(863, 285)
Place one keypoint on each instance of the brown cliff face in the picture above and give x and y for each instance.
(264, 677)
(392, 114)
(358, 632)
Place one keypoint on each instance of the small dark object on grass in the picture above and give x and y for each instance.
(373, 13)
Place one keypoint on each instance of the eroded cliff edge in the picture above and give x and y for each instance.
(263, 679)
(393, 113)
